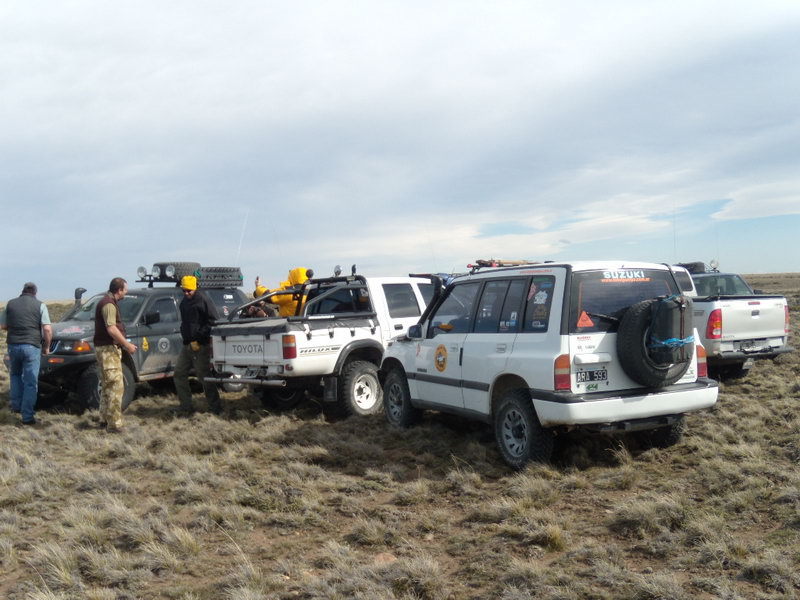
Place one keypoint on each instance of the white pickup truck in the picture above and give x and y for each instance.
(737, 324)
(333, 346)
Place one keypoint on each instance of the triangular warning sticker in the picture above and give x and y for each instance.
(585, 320)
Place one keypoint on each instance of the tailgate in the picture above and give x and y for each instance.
(753, 317)
(247, 344)
(246, 350)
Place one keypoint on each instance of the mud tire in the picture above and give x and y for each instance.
(400, 412)
(519, 435)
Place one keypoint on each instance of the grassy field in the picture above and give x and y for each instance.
(255, 505)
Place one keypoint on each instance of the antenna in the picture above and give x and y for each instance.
(241, 237)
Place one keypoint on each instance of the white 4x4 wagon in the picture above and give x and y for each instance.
(603, 346)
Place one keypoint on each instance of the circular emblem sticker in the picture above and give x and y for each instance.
(163, 345)
(440, 358)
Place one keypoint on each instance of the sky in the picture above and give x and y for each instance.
(398, 136)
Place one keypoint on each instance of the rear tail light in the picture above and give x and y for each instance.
(714, 326)
(289, 346)
(786, 326)
(702, 365)
(561, 379)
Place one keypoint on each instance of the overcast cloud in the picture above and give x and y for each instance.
(399, 136)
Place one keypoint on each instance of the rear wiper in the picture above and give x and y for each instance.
(602, 316)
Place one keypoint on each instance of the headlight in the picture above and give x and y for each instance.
(141, 272)
(170, 271)
(156, 272)
(74, 346)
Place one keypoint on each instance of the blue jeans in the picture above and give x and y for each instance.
(24, 367)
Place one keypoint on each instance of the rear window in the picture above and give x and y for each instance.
(598, 299)
(721, 285)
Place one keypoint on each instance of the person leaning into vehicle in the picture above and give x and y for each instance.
(29, 333)
(198, 314)
(109, 341)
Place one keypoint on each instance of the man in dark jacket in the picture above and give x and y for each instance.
(198, 315)
(29, 333)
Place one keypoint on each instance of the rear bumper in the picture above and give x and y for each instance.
(727, 358)
(555, 409)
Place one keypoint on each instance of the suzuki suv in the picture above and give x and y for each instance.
(538, 348)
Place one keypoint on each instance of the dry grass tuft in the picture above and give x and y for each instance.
(257, 505)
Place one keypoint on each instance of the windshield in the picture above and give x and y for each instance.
(129, 307)
(598, 299)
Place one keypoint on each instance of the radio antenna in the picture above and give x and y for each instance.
(241, 237)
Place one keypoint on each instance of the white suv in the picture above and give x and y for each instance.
(604, 346)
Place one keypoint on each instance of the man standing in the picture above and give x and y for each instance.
(198, 315)
(28, 324)
(109, 341)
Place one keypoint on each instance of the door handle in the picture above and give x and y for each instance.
(398, 326)
(501, 348)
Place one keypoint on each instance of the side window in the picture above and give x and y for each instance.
(487, 319)
(454, 314)
(166, 308)
(539, 298)
(512, 307)
(401, 300)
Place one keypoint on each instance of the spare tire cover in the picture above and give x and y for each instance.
(644, 364)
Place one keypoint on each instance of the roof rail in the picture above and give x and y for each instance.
(499, 262)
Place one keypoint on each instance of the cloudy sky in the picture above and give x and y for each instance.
(399, 136)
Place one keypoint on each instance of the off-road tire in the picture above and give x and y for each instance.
(397, 401)
(359, 390)
(663, 437)
(632, 349)
(181, 268)
(88, 387)
(518, 433)
(282, 399)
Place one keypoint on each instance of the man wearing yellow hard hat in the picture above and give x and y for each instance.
(198, 315)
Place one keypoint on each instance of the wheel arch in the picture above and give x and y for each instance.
(368, 350)
(388, 365)
(504, 383)
(127, 360)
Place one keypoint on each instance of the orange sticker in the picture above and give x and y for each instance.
(585, 320)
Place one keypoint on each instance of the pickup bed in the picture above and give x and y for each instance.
(332, 347)
(736, 324)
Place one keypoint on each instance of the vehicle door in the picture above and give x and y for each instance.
(404, 308)
(159, 336)
(438, 358)
(489, 344)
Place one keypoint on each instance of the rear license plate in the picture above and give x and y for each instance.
(593, 375)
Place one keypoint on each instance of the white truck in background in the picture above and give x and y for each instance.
(332, 347)
(737, 325)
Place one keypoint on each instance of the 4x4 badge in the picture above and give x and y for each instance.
(440, 358)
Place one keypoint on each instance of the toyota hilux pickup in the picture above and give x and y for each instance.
(152, 323)
(331, 347)
(737, 325)
(541, 348)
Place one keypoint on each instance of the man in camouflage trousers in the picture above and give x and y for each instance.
(109, 341)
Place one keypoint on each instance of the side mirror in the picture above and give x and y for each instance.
(415, 332)
(151, 318)
(758, 291)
